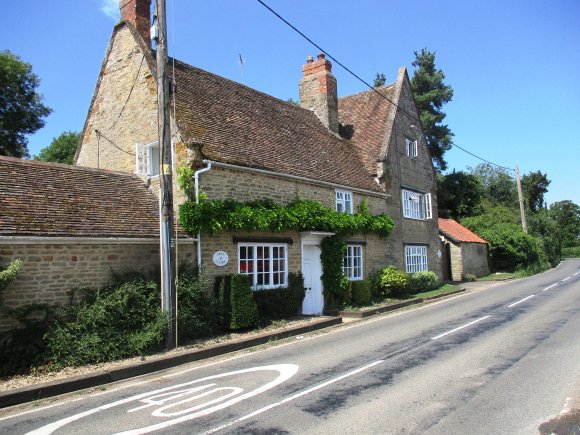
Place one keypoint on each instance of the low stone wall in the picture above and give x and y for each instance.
(50, 270)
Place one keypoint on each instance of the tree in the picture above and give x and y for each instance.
(535, 185)
(430, 94)
(499, 186)
(380, 80)
(21, 107)
(567, 215)
(62, 149)
(458, 195)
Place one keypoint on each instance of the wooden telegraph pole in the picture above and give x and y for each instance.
(168, 291)
(521, 198)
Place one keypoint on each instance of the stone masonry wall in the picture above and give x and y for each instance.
(49, 270)
(401, 171)
(474, 257)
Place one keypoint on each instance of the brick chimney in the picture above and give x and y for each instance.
(318, 91)
(138, 13)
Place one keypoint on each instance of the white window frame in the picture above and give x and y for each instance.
(250, 264)
(344, 201)
(147, 159)
(411, 148)
(416, 205)
(352, 265)
(416, 258)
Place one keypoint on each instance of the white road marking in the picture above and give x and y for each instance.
(520, 301)
(285, 372)
(42, 409)
(566, 279)
(549, 287)
(576, 273)
(460, 328)
(294, 397)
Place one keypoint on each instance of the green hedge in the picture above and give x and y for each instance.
(123, 321)
(281, 303)
(571, 252)
(244, 310)
(423, 281)
(361, 292)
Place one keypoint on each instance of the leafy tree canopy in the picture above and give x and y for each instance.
(499, 186)
(21, 107)
(567, 215)
(380, 80)
(62, 149)
(430, 95)
(535, 185)
(458, 195)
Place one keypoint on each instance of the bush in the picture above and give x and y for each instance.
(394, 282)
(23, 348)
(223, 289)
(244, 310)
(198, 312)
(571, 252)
(376, 287)
(8, 275)
(469, 277)
(123, 321)
(423, 281)
(281, 303)
(361, 292)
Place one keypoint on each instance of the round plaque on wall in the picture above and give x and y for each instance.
(220, 258)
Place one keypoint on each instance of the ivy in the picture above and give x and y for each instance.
(213, 216)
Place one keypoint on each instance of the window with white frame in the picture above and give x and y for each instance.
(265, 263)
(411, 147)
(147, 159)
(416, 205)
(416, 258)
(352, 266)
(344, 201)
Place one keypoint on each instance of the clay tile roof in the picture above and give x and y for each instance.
(364, 119)
(457, 232)
(241, 126)
(49, 199)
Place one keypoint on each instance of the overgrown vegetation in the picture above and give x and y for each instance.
(212, 216)
(7, 276)
(335, 285)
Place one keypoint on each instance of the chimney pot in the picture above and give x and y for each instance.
(321, 56)
(309, 59)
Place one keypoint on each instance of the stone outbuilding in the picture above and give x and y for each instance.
(464, 252)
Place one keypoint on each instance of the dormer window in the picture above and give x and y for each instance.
(344, 201)
(411, 147)
(147, 159)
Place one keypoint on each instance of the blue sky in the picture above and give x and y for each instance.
(514, 65)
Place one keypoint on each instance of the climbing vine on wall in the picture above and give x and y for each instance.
(213, 216)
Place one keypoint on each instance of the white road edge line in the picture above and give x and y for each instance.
(549, 287)
(566, 279)
(291, 398)
(461, 327)
(576, 273)
(520, 301)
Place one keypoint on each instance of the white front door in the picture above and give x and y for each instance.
(312, 270)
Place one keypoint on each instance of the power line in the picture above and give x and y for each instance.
(130, 92)
(413, 117)
(101, 134)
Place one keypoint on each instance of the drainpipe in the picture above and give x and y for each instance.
(196, 181)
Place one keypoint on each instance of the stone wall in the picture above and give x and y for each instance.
(50, 270)
(401, 171)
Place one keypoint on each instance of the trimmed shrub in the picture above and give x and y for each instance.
(394, 282)
(244, 310)
(281, 303)
(376, 286)
(361, 292)
(123, 321)
(469, 278)
(198, 313)
(423, 281)
(223, 289)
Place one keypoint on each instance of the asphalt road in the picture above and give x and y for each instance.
(499, 360)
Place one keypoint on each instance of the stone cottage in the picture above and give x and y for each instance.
(247, 145)
(465, 251)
